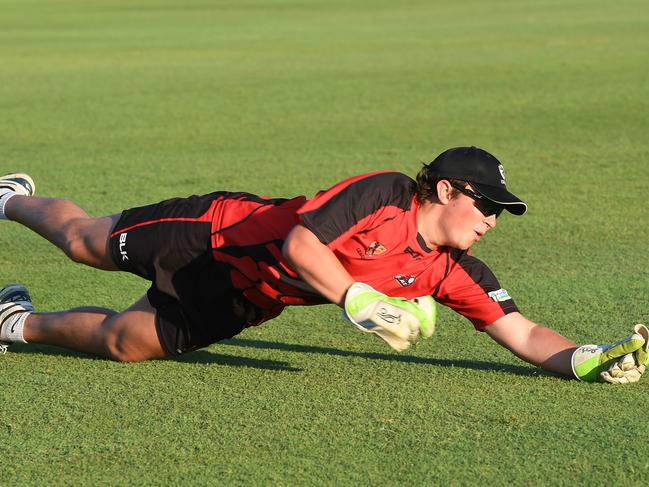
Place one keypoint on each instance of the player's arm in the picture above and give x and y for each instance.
(621, 362)
(533, 343)
(396, 320)
(316, 264)
(332, 217)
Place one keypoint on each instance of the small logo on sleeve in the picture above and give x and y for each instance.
(499, 295)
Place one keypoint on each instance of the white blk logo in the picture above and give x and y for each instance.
(122, 246)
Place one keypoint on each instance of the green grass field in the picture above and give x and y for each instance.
(115, 104)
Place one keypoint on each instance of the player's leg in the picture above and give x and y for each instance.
(129, 336)
(168, 243)
(82, 238)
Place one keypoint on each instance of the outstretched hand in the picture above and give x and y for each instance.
(620, 363)
(629, 368)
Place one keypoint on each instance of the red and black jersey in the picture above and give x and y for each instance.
(370, 223)
(248, 233)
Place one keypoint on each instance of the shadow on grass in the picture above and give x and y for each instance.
(410, 359)
(205, 357)
(197, 357)
(209, 357)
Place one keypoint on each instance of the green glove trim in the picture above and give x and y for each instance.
(642, 355)
(429, 307)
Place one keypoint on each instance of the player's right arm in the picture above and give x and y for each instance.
(332, 217)
(317, 264)
(335, 215)
(398, 321)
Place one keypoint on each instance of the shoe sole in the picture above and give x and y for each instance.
(31, 190)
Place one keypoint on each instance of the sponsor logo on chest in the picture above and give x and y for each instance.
(405, 279)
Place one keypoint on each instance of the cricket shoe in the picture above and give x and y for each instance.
(19, 183)
(14, 303)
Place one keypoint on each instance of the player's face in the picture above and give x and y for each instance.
(459, 221)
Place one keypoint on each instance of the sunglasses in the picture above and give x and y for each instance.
(485, 206)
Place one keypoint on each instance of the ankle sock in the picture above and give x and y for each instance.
(5, 195)
(12, 328)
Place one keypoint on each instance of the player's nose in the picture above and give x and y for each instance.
(490, 221)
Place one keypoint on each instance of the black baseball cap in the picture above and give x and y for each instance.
(485, 173)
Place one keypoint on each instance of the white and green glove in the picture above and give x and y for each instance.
(398, 321)
(630, 368)
(620, 363)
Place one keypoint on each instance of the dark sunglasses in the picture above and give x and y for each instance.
(485, 206)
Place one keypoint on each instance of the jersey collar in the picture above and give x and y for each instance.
(420, 240)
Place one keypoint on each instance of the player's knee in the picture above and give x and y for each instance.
(121, 347)
(122, 352)
(76, 244)
(76, 251)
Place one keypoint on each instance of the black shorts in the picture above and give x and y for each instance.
(169, 243)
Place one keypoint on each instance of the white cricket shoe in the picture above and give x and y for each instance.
(14, 301)
(18, 182)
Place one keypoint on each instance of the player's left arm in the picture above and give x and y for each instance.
(618, 363)
(533, 343)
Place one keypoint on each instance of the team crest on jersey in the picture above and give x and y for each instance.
(405, 279)
(375, 248)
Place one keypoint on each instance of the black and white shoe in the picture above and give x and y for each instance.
(14, 301)
(19, 183)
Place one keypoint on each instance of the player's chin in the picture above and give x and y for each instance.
(463, 245)
(470, 241)
(463, 241)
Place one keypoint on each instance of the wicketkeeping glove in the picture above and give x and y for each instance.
(630, 368)
(398, 321)
(620, 363)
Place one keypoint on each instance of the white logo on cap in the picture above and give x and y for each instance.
(502, 173)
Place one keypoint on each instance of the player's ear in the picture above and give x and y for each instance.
(444, 191)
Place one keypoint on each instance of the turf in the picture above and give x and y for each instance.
(116, 104)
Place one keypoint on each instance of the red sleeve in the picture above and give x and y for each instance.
(356, 204)
(472, 290)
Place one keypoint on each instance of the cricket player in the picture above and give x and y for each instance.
(382, 246)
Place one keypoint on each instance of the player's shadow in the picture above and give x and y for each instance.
(210, 357)
(411, 359)
(198, 357)
(205, 357)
